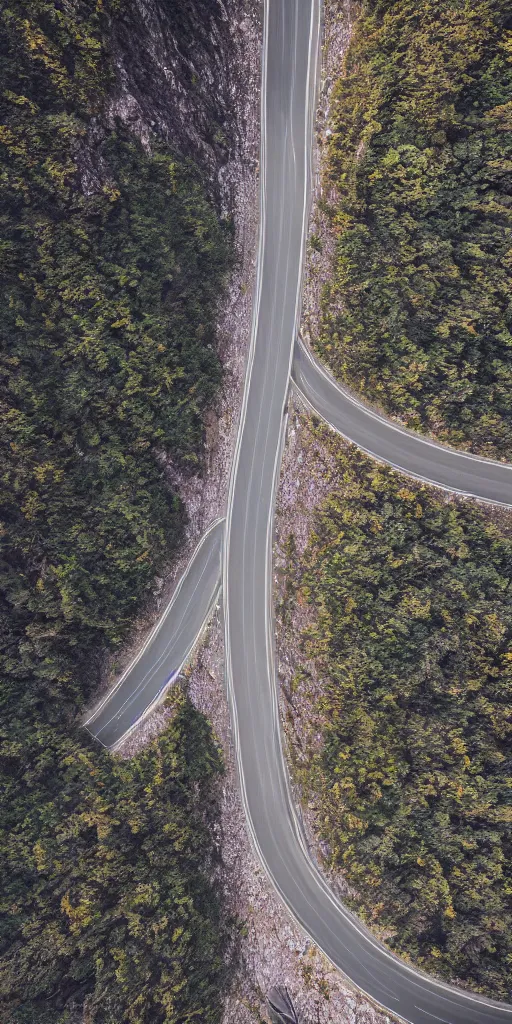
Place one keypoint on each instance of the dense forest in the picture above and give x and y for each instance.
(112, 259)
(411, 642)
(108, 906)
(416, 313)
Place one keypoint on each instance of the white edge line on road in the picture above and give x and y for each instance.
(308, 128)
(420, 438)
(250, 363)
(394, 465)
(179, 629)
(162, 693)
(91, 715)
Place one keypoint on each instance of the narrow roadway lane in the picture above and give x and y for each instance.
(166, 649)
(288, 91)
(387, 441)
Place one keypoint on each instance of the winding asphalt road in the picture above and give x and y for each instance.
(410, 453)
(290, 59)
(167, 648)
(291, 46)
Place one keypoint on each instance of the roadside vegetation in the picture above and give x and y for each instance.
(416, 314)
(406, 670)
(112, 258)
(108, 905)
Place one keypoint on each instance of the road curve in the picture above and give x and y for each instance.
(291, 43)
(387, 441)
(167, 648)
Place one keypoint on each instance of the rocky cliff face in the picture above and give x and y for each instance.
(180, 77)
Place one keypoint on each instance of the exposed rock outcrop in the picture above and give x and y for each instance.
(182, 75)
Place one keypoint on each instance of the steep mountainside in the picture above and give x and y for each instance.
(177, 76)
(116, 129)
